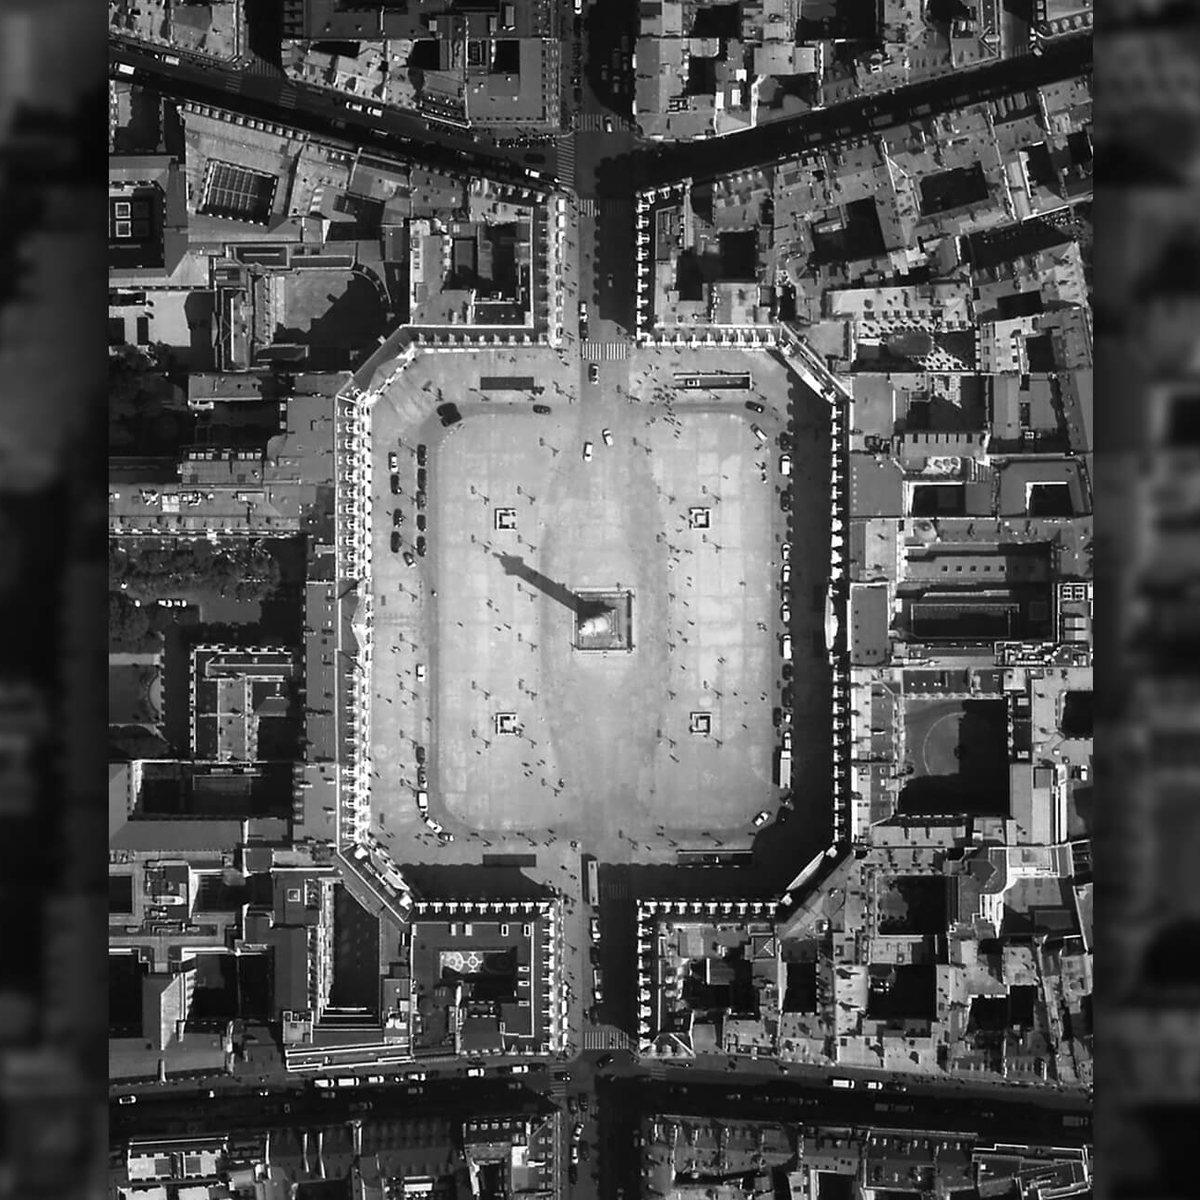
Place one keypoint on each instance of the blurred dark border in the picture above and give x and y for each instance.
(1147, 833)
(53, 368)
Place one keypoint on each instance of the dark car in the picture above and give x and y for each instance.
(420, 751)
(605, 1060)
(422, 453)
(395, 485)
(420, 547)
(421, 522)
(583, 1102)
(397, 517)
(573, 1173)
(420, 499)
(543, 409)
(395, 543)
(776, 717)
(785, 441)
(422, 478)
(787, 695)
(754, 406)
(785, 499)
(562, 1076)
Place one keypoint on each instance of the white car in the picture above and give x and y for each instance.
(786, 645)
(786, 552)
(420, 672)
(433, 826)
(474, 1072)
(785, 464)
(587, 451)
(354, 106)
(787, 740)
(126, 1099)
(762, 818)
(758, 433)
(393, 461)
(519, 1069)
(873, 1085)
(785, 614)
(417, 1077)
(423, 803)
(606, 434)
(124, 69)
(785, 575)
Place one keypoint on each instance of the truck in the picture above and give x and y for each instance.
(785, 769)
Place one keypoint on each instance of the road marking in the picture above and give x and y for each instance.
(606, 351)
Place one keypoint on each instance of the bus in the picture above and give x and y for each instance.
(591, 880)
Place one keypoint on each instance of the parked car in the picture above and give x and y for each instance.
(126, 1099)
(606, 436)
(608, 124)
(785, 551)
(518, 1069)
(393, 460)
(785, 499)
(785, 464)
(420, 669)
(422, 479)
(421, 499)
(873, 1085)
(475, 1072)
(420, 547)
(587, 451)
(421, 522)
(784, 441)
(409, 560)
(595, 927)
(541, 409)
(787, 740)
(395, 542)
(593, 373)
(448, 414)
(785, 611)
(754, 406)
(761, 819)
(785, 573)
(416, 1076)
(423, 802)
(397, 517)
(395, 485)
(758, 433)
(445, 838)
(433, 825)
(605, 1060)
(785, 644)
(420, 754)
(422, 453)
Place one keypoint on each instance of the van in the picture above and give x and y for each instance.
(841, 1083)
(786, 644)
(124, 69)
(785, 769)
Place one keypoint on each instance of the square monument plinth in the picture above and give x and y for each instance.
(603, 619)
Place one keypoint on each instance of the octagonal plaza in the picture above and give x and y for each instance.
(521, 731)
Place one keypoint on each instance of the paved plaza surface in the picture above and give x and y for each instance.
(603, 754)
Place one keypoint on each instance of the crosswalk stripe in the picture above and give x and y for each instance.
(606, 351)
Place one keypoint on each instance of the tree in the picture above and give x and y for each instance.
(128, 623)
